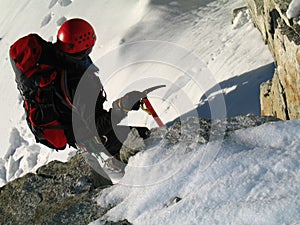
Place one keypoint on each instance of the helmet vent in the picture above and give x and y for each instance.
(77, 32)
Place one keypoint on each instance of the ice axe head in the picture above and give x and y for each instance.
(145, 101)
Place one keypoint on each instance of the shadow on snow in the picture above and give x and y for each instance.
(240, 95)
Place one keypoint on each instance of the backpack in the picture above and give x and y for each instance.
(35, 82)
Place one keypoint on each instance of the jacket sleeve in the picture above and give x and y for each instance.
(106, 120)
(91, 90)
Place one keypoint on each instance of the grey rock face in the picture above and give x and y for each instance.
(203, 130)
(60, 193)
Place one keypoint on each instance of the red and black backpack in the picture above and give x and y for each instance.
(35, 82)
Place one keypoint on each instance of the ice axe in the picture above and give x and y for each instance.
(147, 106)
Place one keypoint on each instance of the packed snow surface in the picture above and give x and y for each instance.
(251, 177)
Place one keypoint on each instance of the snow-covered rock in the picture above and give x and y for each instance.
(248, 176)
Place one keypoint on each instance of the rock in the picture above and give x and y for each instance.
(200, 130)
(236, 11)
(59, 193)
(281, 96)
(66, 193)
(123, 222)
(173, 201)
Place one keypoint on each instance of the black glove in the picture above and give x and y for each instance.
(131, 101)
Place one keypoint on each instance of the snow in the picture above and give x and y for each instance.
(210, 67)
(293, 9)
(254, 179)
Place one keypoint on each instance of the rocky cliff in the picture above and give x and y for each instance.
(279, 97)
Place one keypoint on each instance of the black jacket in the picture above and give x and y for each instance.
(70, 74)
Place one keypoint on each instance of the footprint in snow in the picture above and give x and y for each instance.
(46, 19)
(52, 3)
(60, 21)
(64, 2)
(16, 141)
(181, 82)
(13, 168)
(32, 158)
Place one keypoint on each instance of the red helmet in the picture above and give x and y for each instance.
(75, 35)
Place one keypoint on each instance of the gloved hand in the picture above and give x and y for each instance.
(130, 101)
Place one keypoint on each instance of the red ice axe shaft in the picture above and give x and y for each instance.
(150, 110)
(148, 106)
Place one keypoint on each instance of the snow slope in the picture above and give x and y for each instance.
(210, 67)
(197, 34)
(253, 179)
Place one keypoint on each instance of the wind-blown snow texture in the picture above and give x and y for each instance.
(254, 179)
